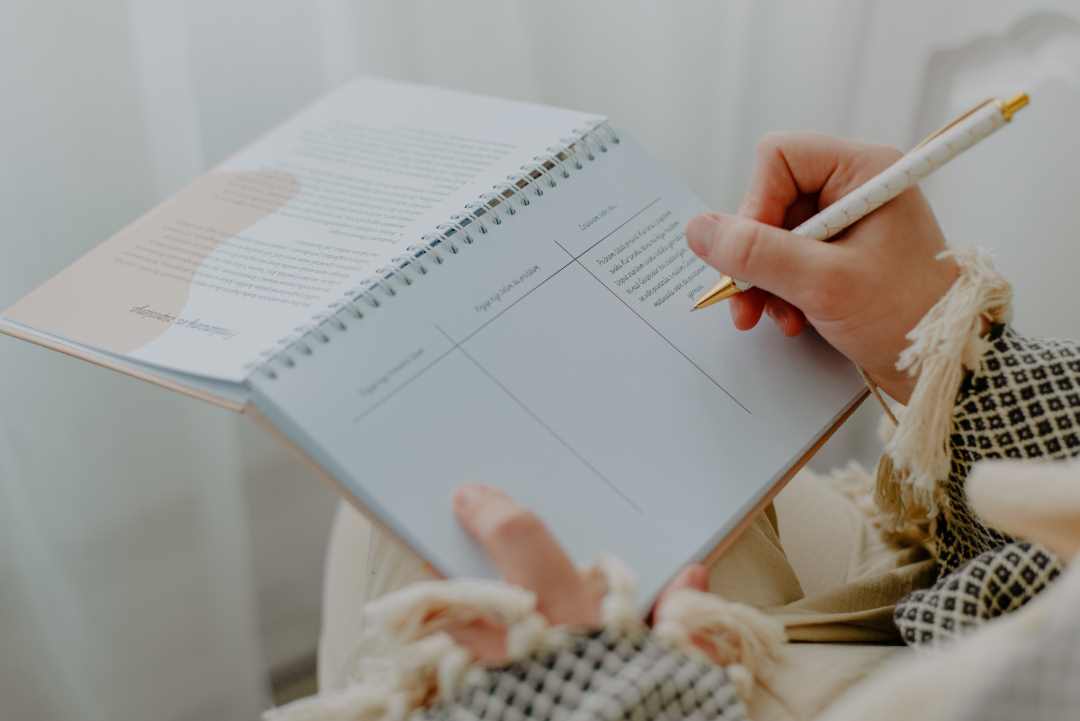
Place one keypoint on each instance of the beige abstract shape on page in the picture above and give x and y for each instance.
(96, 300)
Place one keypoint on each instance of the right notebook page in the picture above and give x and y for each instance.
(556, 357)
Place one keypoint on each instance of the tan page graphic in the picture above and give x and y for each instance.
(130, 289)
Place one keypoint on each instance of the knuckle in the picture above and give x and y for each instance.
(771, 142)
(768, 144)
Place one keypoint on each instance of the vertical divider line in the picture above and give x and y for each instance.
(532, 414)
(577, 259)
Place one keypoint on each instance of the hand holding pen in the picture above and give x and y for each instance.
(862, 292)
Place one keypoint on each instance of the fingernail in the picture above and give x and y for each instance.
(698, 231)
(699, 577)
(467, 495)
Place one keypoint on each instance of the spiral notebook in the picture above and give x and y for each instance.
(416, 288)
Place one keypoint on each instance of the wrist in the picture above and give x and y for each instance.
(946, 346)
(901, 384)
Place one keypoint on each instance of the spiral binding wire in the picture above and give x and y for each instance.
(490, 209)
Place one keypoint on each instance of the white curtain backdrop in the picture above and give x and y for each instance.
(159, 557)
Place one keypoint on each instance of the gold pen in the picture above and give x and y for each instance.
(935, 150)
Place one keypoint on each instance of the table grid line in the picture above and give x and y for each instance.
(577, 259)
(456, 344)
(542, 423)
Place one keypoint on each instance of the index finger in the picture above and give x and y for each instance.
(790, 165)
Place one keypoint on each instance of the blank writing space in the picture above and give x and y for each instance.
(650, 422)
(454, 425)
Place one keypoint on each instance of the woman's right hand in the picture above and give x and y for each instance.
(865, 290)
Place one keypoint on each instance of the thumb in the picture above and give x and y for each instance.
(772, 258)
(694, 577)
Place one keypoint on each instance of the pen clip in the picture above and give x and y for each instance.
(958, 119)
(1008, 108)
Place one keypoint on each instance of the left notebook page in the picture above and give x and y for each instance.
(219, 275)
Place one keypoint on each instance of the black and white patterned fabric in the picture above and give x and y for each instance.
(987, 586)
(603, 676)
(1024, 404)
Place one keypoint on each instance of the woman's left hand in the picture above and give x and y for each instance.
(524, 551)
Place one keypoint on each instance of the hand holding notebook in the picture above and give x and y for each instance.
(417, 288)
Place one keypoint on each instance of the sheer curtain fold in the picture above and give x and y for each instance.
(158, 557)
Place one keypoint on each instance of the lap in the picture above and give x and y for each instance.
(830, 551)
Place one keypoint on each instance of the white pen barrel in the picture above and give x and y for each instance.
(903, 174)
(900, 176)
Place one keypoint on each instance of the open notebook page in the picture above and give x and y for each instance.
(242, 257)
(556, 358)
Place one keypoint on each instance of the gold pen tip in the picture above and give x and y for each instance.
(721, 291)
(1012, 105)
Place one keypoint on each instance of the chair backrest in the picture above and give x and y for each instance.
(1018, 193)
